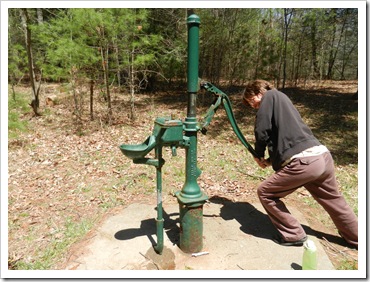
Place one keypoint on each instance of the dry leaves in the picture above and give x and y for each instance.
(56, 175)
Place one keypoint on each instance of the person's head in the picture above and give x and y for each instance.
(254, 92)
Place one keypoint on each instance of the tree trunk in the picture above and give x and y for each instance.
(132, 87)
(334, 50)
(91, 99)
(35, 103)
(116, 48)
(104, 55)
(40, 17)
(315, 63)
(287, 19)
(257, 59)
(76, 99)
(332, 55)
(299, 63)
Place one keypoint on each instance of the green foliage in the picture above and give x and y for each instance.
(16, 108)
(235, 44)
(15, 125)
(78, 38)
(17, 56)
(170, 27)
(17, 62)
(67, 44)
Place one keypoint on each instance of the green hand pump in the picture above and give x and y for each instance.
(175, 133)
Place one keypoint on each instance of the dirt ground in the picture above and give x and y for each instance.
(63, 175)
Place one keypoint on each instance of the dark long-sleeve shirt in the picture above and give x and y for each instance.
(280, 128)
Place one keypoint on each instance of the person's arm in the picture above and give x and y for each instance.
(263, 125)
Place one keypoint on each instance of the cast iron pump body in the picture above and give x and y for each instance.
(175, 133)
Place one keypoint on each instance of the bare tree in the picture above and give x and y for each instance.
(104, 52)
(92, 82)
(288, 13)
(35, 103)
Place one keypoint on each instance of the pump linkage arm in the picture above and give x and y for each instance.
(221, 97)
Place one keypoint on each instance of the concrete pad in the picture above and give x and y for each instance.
(237, 236)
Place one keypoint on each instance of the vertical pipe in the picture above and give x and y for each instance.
(159, 220)
(193, 62)
(191, 188)
(191, 198)
(191, 228)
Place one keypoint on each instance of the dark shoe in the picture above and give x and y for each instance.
(282, 242)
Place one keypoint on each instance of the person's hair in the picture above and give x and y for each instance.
(255, 87)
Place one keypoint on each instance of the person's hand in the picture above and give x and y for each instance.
(263, 163)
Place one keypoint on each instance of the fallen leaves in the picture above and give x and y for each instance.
(227, 188)
(55, 175)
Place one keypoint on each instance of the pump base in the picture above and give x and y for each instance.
(191, 228)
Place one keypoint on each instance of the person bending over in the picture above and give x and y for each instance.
(298, 159)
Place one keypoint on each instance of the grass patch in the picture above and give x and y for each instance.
(59, 242)
(16, 108)
(348, 265)
(348, 182)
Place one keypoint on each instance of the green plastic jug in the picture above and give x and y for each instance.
(309, 260)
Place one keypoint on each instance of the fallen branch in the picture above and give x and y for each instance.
(252, 175)
(337, 250)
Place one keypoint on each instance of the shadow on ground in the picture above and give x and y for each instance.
(258, 224)
(251, 220)
(148, 228)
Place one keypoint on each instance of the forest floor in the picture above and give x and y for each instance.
(64, 178)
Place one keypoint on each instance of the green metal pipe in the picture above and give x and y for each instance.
(193, 62)
(191, 189)
(191, 198)
(159, 220)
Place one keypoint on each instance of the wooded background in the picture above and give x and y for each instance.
(101, 68)
(146, 49)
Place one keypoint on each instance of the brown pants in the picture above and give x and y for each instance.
(316, 174)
